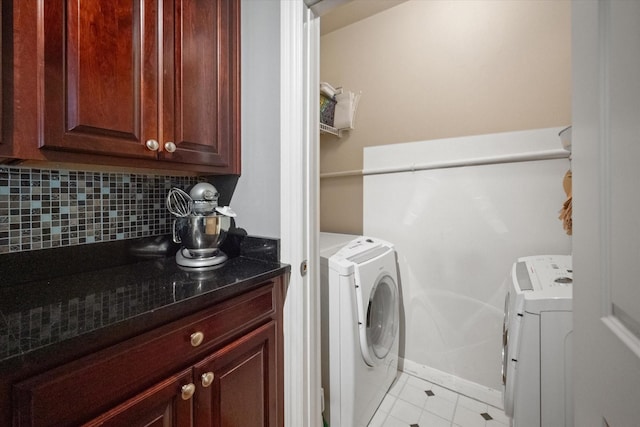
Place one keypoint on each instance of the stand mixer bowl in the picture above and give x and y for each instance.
(201, 235)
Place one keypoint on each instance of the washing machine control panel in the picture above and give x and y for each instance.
(564, 280)
(357, 252)
(543, 278)
(550, 271)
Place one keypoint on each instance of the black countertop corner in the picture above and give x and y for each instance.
(55, 296)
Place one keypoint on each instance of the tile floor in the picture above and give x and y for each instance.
(414, 402)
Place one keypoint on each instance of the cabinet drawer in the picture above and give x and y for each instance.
(82, 389)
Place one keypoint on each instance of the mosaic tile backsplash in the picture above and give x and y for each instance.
(42, 208)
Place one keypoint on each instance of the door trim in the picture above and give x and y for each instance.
(299, 56)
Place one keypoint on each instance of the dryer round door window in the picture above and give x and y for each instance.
(381, 321)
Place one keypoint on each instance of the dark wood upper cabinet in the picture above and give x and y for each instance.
(2, 65)
(201, 98)
(101, 76)
(154, 83)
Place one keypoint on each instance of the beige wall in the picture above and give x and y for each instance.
(437, 69)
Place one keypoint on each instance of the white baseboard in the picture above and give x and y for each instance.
(459, 385)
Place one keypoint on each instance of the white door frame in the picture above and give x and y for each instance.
(299, 181)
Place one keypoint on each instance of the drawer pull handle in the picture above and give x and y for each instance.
(207, 379)
(197, 338)
(187, 391)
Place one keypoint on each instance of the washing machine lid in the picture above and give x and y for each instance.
(544, 282)
(330, 243)
(356, 252)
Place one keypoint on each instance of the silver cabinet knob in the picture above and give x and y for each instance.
(169, 146)
(207, 379)
(152, 144)
(196, 338)
(187, 391)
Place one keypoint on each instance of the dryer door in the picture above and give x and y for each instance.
(378, 335)
(505, 342)
(514, 311)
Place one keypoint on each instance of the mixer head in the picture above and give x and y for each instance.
(205, 198)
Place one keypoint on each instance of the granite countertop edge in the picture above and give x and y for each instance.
(80, 344)
(64, 318)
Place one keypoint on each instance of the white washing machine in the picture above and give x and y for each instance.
(360, 317)
(537, 334)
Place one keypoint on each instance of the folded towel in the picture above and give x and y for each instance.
(566, 182)
(566, 215)
(567, 206)
(345, 111)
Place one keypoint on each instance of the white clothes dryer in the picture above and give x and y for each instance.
(537, 335)
(360, 318)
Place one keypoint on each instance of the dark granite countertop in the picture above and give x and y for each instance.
(107, 305)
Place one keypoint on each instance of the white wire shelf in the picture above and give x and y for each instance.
(330, 129)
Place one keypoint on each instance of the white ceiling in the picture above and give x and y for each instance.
(352, 11)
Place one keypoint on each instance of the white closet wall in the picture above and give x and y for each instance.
(460, 211)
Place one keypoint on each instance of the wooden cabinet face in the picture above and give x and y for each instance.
(101, 76)
(244, 387)
(205, 93)
(162, 405)
(236, 386)
(119, 74)
(2, 65)
(139, 381)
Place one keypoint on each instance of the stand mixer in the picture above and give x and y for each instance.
(200, 226)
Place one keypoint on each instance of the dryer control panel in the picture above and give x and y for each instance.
(545, 278)
(357, 252)
(551, 271)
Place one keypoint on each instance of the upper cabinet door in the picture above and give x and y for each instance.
(2, 65)
(101, 76)
(204, 90)
(155, 79)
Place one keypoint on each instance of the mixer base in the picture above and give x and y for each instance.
(187, 261)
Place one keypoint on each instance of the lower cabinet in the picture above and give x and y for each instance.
(168, 403)
(237, 385)
(233, 387)
(221, 367)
